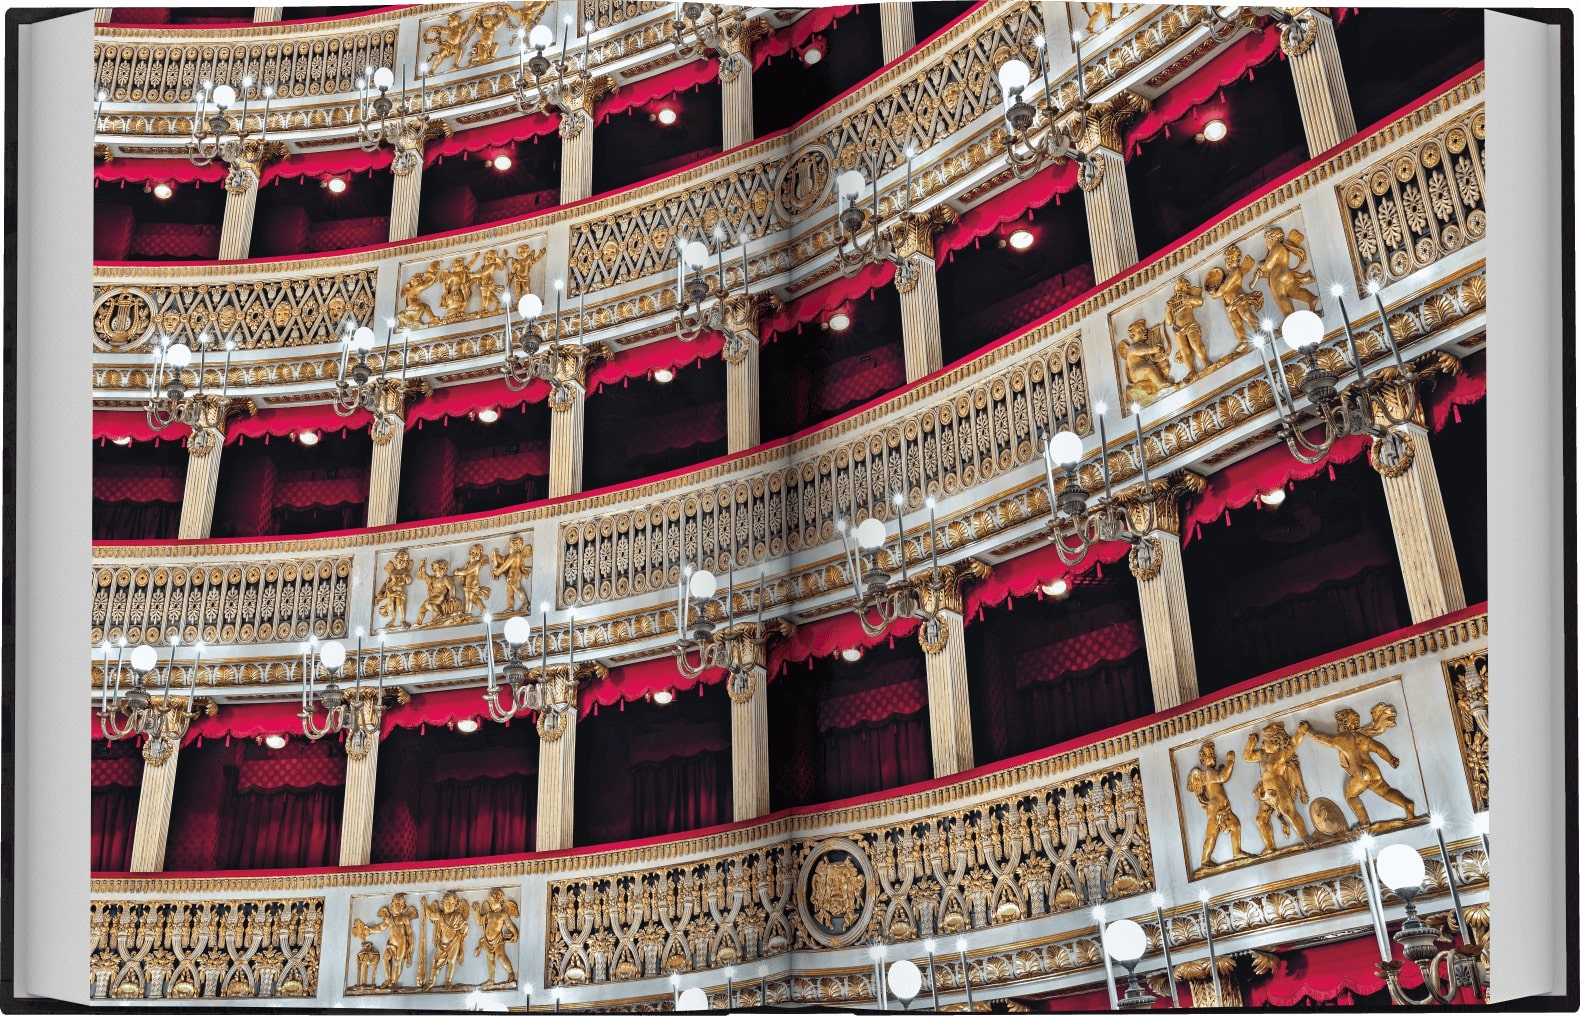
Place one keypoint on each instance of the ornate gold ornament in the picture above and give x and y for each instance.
(726, 32)
(564, 364)
(1470, 692)
(390, 601)
(470, 37)
(572, 89)
(908, 236)
(836, 877)
(1207, 781)
(122, 318)
(712, 305)
(161, 721)
(1188, 346)
(1282, 786)
(358, 710)
(1227, 285)
(496, 921)
(549, 691)
(1286, 280)
(515, 567)
(425, 942)
(1356, 744)
(182, 950)
(1144, 355)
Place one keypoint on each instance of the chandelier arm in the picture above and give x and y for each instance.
(114, 731)
(496, 712)
(683, 661)
(313, 731)
(1379, 407)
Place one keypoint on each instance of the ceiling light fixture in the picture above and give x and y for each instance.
(503, 162)
(308, 437)
(1274, 497)
(1058, 587)
(667, 116)
(663, 375)
(163, 191)
(466, 726)
(663, 697)
(1021, 239)
(1215, 130)
(275, 741)
(122, 441)
(487, 415)
(336, 185)
(812, 55)
(839, 322)
(850, 655)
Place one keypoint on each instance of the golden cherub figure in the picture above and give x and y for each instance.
(515, 567)
(1189, 348)
(1282, 784)
(494, 916)
(396, 918)
(447, 40)
(441, 599)
(391, 599)
(456, 288)
(519, 271)
(473, 592)
(1356, 745)
(485, 23)
(416, 311)
(1146, 358)
(484, 280)
(1228, 285)
(1206, 782)
(451, 921)
(1285, 280)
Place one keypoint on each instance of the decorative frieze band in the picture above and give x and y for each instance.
(1065, 847)
(248, 602)
(159, 72)
(955, 444)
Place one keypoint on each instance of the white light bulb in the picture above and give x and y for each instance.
(1100, 407)
(517, 631)
(1336, 290)
(544, 606)
(1158, 901)
(1400, 867)
(1302, 330)
(333, 655)
(224, 96)
(696, 254)
(870, 534)
(930, 504)
(1014, 76)
(905, 979)
(850, 183)
(1125, 941)
(530, 307)
(383, 78)
(1065, 448)
(362, 338)
(542, 37)
(144, 657)
(703, 584)
(179, 355)
(1436, 821)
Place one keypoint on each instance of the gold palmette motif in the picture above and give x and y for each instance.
(1068, 846)
(183, 949)
(1420, 205)
(1469, 690)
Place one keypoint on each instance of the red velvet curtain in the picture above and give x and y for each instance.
(681, 793)
(136, 520)
(283, 827)
(484, 816)
(875, 756)
(1054, 711)
(117, 785)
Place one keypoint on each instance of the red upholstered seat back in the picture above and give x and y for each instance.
(342, 234)
(514, 207)
(185, 241)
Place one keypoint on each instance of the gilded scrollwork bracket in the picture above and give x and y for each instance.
(1154, 509)
(939, 591)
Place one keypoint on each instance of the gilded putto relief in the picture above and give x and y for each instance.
(1318, 774)
(1208, 315)
(449, 940)
(453, 583)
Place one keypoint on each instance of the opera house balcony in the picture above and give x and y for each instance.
(600, 502)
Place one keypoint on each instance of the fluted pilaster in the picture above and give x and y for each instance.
(389, 438)
(101, 15)
(1108, 218)
(1319, 81)
(899, 30)
(949, 699)
(235, 235)
(356, 816)
(567, 426)
(1160, 580)
(749, 745)
(263, 15)
(743, 399)
(405, 206)
(737, 95)
(160, 755)
(1420, 528)
(205, 443)
(917, 282)
(576, 156)
(557, 786)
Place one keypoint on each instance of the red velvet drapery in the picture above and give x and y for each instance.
(1232, 62)
(681, 793)
(484, 816)
(877, 755)
(117, 785)
(286, 827)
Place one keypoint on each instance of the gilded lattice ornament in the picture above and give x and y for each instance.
(1288, 782)
(220, 603)
(1205, 322)
(1064, 847)
(1470, 692)
(449, 940)
(1420, 205)
(267, 314)
(165, 73)
(952, 445)
(191, 949)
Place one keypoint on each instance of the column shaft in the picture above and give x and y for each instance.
(1319, 84)
(356, 816)
(1108, 217)
(262, 15)
(949, 699)
(743, 398)
(235, 236)
(556, 788)
(737, 93)
(566, 426)
(384, 478)
(101, 15)
(405, 205)
(153, 813)
(576, 159)
(197, 502)
(1165, 621)
(749, 749)
(917, 282)
(899, 29)
(1420, 528)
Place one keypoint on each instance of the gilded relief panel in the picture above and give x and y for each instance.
(474, 35)
(1318, 774)
(472, 286)
(1469, 691)
(1207, 316)
(1419, 206)
(453, 583)
(435, 941)
(203, 950)
(1068, 846)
